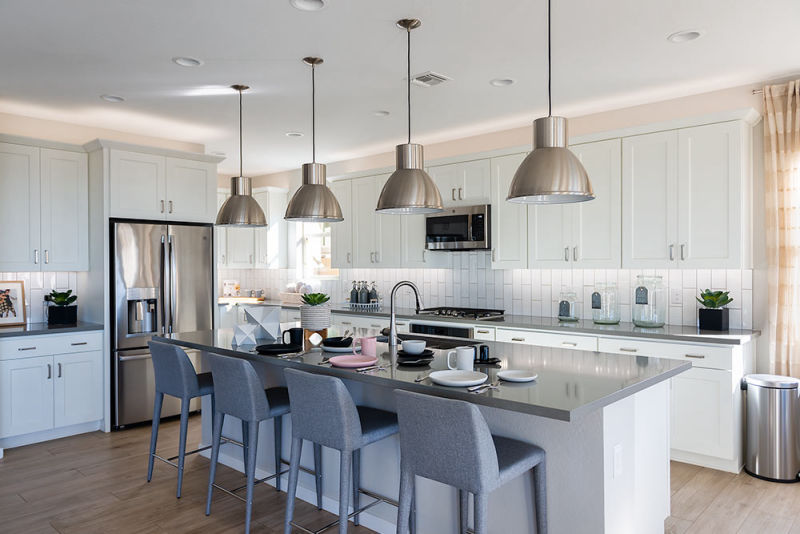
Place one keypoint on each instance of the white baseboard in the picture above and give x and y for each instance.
(306, 492)
(47, 435)
(712, 462)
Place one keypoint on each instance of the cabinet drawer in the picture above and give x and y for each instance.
(700, 355)
(79, 342)
(30, 346)
(565, 341)
(514, 336)
(484, 333)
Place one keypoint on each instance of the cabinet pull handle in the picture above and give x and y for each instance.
(453, 193)
(569, 344)
(398, 324)
(624, 349)
(566, 253)
(348, 257)
(36, 256)
(49, 371)
(683, 251)
(27, 348)
(59, 370)
(46, 256)
(377, 325)
(482, 331)
(78, 343)
(494, 254)
(671, 252)
(346, 322)
(574, 253)
(423, 256)
(459, 194)
(162, 206)
(223, 258)
(251, 258)
(696, 356)
(517, 339)
(170, 206)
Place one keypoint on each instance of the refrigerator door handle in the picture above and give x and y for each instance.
(172, 276)
(163, 294)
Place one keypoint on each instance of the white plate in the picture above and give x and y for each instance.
(458, 378)
(340, 350)
(511, 375)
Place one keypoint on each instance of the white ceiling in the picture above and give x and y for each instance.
(57, 57)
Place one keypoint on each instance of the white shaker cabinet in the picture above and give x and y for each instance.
(26, 395)
(137, 185)
(20, 189)
(389, 234)
(463, 184)
(342, 232)
(241, 247)
(509, 219)
(77, 386)
(375, 236)
(261, 235)
(191, 190)
(277, 239)
(549, 236)
(221, 233)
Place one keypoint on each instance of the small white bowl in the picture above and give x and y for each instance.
(413, 346)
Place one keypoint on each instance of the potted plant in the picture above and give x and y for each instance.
(713, 314)
(315, 312)
(62, 311)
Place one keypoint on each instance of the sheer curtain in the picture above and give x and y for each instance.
(782, 195)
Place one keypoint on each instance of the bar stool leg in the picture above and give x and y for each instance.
(345, 461)
(481, 501)
(318, 473)
(356, 483)
(252, 449)
(405, 498)
(278, 424)
(245, 442)
(158, 401)
(216, 437)
(463, 511)
(294, 468)
(182, 444)
(540, 497)
(412, 522)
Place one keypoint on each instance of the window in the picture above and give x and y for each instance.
(314, 251)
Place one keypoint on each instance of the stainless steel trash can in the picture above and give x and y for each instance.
(772, 446)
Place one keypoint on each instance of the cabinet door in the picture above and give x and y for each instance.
(138, 185)
(474, 187)
(78, 388)
(221, 234)
(550, 236)
(702, 412)
(366, 223)
(191, 190)
(342, 232)
(447, 178)
(261, 235)
(388, 252)
(649, 197)
(65, 210)
(241, 247)
(19, 216)
(709, 196)
(596, 231)
(509, 219)
(277, 238)
(26, 395)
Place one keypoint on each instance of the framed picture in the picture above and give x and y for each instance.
(12, 303)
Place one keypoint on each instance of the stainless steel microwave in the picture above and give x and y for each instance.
(462, 228)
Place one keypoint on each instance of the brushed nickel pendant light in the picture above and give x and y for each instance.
(241, 209)
(409, 189)
(313, 201)
(551, 174)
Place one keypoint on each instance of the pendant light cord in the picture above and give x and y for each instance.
(313, 115)
(549, 66)
(240, 134)
(408, 80)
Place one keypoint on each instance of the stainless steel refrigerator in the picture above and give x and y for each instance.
(162, 283)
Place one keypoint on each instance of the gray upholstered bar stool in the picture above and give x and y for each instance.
(429, 429)
(241, 394)
(324, 413)
(175, 375)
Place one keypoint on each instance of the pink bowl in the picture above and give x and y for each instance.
(353, 361)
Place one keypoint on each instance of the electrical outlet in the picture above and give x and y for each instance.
(675, 297)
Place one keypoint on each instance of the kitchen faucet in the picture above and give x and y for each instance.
(392, 319)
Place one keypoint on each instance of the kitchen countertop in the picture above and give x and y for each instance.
(570, 383)
(38, 329)
(679, 333)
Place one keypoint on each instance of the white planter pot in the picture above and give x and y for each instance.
(315, 317)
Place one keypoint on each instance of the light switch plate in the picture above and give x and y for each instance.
(675, 297)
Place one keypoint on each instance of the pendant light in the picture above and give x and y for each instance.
(314, 201)
(409, 189)
(551, 174)
(241, 209)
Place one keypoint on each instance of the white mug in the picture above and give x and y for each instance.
(465, 358)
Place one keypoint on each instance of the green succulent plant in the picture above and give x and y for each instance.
(62, 298)
(714, 299)
(315, 299)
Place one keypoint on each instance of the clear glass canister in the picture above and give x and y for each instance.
(567, 306)
(649, 302)
(605, 304)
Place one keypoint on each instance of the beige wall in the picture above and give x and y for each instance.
(76, 134)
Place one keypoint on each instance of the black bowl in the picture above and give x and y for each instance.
(275, 349)
(339, 342)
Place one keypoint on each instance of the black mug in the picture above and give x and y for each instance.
(295, 336)
(483, 353)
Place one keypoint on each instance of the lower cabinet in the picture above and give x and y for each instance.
(26, 396)
(77, 386)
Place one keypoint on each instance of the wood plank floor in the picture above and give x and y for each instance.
(95, 483)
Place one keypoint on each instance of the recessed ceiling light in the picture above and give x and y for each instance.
(501, 82)
(381, 113)
(187, 61)
(112, 98)
(294, 134)
(684, 36)
(308, 5)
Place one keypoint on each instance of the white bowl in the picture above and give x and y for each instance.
(413, 346)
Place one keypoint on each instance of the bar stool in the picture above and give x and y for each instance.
(429, 428)
(240, 393)
(324, 413)
(175, 375)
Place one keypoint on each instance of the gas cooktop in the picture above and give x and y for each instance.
(478, 314)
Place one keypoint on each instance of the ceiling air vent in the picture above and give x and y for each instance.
(429, 79)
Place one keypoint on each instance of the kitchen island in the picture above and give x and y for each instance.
(603, 420)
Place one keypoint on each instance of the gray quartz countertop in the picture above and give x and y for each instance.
(38, 329)
(678, 333)
(570, 382)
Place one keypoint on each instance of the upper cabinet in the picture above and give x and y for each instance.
(342, 232)
(375, 235)
(45, 194)
(509, 219)
(683, 198)
(156, 187)
(463, 184)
